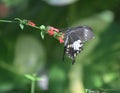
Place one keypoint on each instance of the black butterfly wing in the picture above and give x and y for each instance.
(74, 39)
(85, 33)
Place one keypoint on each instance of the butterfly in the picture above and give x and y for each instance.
(74, 39)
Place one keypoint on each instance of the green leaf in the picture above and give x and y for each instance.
(42, 27)
(17, 19)
(42, 34)
(56, 35)
(22, 26)
(29, 77)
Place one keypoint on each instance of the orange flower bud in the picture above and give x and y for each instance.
(30, 23)
(61, 40)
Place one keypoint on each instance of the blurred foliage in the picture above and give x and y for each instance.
(21, 52)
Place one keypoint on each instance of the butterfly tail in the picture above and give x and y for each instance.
(73, 61)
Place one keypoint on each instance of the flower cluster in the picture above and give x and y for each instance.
(56, 33)
(49, 29)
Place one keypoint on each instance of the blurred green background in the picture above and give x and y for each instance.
(97, 68)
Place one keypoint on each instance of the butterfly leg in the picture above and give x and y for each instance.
(64, 53)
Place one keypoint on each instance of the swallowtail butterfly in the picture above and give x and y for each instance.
(74, 39)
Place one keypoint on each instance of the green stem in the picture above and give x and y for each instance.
(35, 27)
(6, 21)
(33, 86)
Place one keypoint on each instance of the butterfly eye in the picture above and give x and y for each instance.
(74, 39)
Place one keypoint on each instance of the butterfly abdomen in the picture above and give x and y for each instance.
(72, 50)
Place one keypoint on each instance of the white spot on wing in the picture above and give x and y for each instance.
(76, 45)
(78, 41)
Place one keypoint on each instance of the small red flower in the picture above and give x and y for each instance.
(61, 40)
(50, 32)
(30, 23)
